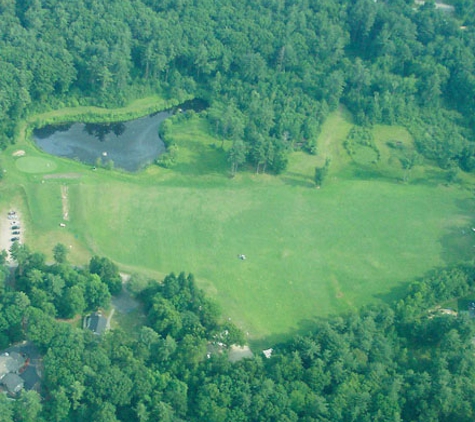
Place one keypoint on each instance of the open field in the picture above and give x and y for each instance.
(310, 252)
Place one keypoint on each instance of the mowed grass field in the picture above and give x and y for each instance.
(310, 252)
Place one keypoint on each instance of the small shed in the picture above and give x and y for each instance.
(268, 353)
(96, 323)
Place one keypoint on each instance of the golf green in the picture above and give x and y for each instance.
(35, 165)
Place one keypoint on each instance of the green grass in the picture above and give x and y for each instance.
(310, 252)
(35, 165)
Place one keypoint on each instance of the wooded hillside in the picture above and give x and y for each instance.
(270, 69)
(405, 362)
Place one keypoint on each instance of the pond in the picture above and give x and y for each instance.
(128, 145)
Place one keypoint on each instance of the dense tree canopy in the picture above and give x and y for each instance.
(407, 361)
(271, 70)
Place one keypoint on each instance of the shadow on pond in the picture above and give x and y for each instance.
(101, 130)
(128, 145)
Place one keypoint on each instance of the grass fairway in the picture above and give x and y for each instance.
(310, 252)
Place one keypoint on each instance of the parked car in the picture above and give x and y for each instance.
(15, 227)
(16, 232)
(14, 239)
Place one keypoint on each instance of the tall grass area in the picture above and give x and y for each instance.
(310, 252)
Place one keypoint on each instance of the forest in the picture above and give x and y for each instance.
(402, 362)
(271, 70)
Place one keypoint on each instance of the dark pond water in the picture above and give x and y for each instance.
(129, 145)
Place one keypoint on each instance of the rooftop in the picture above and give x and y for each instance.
(13, 383)
(10, 363)
(96, 323)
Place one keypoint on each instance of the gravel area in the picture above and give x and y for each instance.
(8, 221)
(5, 242)
(237, 353)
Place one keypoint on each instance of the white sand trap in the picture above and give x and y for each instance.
(19, 153)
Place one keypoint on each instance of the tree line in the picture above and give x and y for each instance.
(272, 71)
(401, 361)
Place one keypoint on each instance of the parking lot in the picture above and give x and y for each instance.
(11, 229)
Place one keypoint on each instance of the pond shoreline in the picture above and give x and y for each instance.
(130, 145)
(93, 114)
(85, 126)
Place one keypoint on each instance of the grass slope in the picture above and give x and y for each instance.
(310, 252)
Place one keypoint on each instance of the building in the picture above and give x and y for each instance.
(13, 383)
(96, 323)
(11, 363)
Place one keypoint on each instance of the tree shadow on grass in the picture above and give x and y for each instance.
(310, 325)
(304, 327)
(296, 179)
(431, 178)
(467, 205)
(458, 245)
(395, 293)
(458, 242)
(371, 173)
(201, 159)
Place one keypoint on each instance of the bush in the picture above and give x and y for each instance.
(164, 131)
(168, 159)
(321, 172)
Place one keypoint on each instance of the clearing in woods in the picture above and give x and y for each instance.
(309, 253)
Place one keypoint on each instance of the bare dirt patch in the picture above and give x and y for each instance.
(124, 302)
(19, 153)
(62, 176)
(237, 353)
(65, 202)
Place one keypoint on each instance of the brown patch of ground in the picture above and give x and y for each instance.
(237, 353)
(65, 202)
(62, 176)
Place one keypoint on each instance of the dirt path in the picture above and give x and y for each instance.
(237, 353)
(65, 202)
(124, 302)
(63, 176)
(108, 323)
